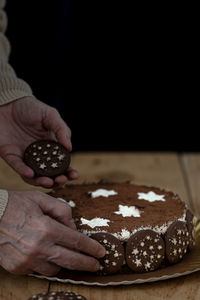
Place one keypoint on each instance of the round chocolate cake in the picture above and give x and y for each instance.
(142, 227)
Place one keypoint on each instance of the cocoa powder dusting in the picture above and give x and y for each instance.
(152, 213)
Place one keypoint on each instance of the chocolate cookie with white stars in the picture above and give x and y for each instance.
(177, 241)
(57, 296)
(145, 251)
(190, 227)
(114, 258)
(47, 158)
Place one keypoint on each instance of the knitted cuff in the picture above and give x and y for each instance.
(3, 202)
(11, 87)
(2, 3)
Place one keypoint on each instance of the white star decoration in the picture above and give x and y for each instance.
(151, 196)
(42, 166)
(148, 265)
(174, 241)
(102, 193)
(96, 222)
(54, 165)
(128, 211)
(135, 251)
(138, 262)
(61, 156)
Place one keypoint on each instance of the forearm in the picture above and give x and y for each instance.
(3, 202)
(11, 87)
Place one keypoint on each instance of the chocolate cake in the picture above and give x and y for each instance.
(142, 227)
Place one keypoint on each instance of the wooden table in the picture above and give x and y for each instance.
(179, 173)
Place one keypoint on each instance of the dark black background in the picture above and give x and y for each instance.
(124, 77)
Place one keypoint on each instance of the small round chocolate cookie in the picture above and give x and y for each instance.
(114, 258)
(176, 241)
(47, 158)
(145, 251)
(57, 296)
(190, 227)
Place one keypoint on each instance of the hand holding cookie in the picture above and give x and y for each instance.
(25, 121)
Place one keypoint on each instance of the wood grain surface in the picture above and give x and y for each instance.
(179, 173)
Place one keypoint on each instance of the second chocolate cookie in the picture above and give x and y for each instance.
(114, 258)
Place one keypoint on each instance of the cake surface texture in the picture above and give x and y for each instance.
(140, 226)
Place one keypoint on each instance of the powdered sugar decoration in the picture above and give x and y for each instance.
(102, 193)
(151, 196)
(128, 211)
(96, 222)
(70, 202)
(124, 235)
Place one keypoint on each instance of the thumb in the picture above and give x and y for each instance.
(56, 124)
(13, 156)
(56, 209)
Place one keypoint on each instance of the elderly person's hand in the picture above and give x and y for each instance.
(22, 122)
(41, 237)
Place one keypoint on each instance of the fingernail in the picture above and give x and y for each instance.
(29, 173)
(74, 174)
(97, 266)
(72, 224)
(69, 144)
(101, 252)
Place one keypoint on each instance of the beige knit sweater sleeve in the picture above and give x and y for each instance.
(11, 87)
(3, 202)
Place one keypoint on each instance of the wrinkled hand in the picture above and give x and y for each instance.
(37, 233)
(22, 122)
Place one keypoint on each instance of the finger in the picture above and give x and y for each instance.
(59, 211)
(14, 261)
(19, 166)
(65, 236)
(13, 156)
(55, 123)
(71, 224)
(45, 182)
(72, 260)
(72, 174)
(17, 263)
(46, 268)
(61, 180)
